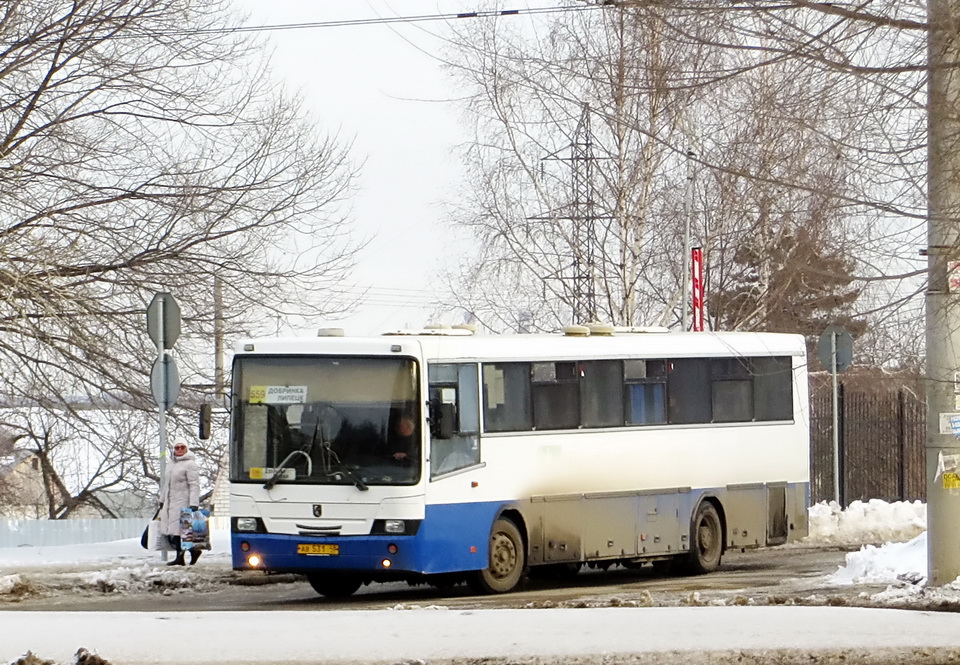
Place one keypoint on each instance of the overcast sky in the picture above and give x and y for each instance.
(378, 86)
(382, 85)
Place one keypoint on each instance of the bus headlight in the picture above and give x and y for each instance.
(246, 524)
(394, 526)
(254, 560)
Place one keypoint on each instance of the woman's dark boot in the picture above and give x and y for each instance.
(194, 555)
(175, 543)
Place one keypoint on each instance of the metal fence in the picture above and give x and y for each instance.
(47, 533)
(881, 433)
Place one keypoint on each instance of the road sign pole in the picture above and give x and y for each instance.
(835, 352)
(163, 327)
(162, 410)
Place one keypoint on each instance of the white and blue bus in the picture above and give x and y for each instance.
(441, 456)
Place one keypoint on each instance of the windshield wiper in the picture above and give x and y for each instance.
(284, 465)
(330, 460)
(350, 473)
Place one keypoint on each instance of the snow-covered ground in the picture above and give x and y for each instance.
(890, 538)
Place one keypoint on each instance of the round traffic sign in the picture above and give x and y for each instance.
(835, 338)
(165, 382)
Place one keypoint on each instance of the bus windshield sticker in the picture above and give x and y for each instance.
(278, 394)
(265, 473)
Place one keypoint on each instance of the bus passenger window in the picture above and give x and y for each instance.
(600, 385)
(689, 396)
(731, 390)
(645, 392)
(773, 388)
(556, 400)
(454, 394)
(506, 397)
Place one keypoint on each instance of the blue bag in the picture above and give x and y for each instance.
(194, 529)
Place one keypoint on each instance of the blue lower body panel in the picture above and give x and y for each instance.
(452, 538)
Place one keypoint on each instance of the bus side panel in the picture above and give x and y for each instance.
(610, 525)
(798, 499)
(556, 529)
(613, 525)
(456, 536)
(746, 513)
(659, 529)
(765, 514)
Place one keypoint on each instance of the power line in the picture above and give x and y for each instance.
(391, 19)
(402, 290)
(311, 25)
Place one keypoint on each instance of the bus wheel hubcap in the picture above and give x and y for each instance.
(503, 556)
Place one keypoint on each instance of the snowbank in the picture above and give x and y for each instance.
(872, 522)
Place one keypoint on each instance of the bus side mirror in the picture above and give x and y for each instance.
(206, 421)
(443, 418)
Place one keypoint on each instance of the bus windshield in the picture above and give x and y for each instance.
(326, 420)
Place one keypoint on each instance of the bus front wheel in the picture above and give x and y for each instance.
(507, 560)
(706, 541)
(337, 585)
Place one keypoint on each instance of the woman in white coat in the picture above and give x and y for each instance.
(180, 489)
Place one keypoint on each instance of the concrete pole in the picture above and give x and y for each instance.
(219, 377)
(942, 312)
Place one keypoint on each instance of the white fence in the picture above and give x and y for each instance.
(45, 533)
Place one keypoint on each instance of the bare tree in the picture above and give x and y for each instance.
(573, 167)
(144, 148)
(651, 83)
(836, 141)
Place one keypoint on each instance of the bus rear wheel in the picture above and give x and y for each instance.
(507, 561)
(335, 585)
(706, 541)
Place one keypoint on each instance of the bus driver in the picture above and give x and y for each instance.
(402, 439)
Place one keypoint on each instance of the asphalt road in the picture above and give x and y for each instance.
(785, 575)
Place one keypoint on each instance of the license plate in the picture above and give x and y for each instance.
(318, 550)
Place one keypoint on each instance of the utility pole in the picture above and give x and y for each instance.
(219, 380)
(685, 269)
(942, 311)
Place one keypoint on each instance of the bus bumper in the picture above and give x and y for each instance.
(453, 538)
(286, 553)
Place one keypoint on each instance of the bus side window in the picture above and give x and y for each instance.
(454, 408)
(555, 395)
(731, 390)
(600, 384)
(689, 398)
(645, 391)
(773, 388)
(506, 397)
